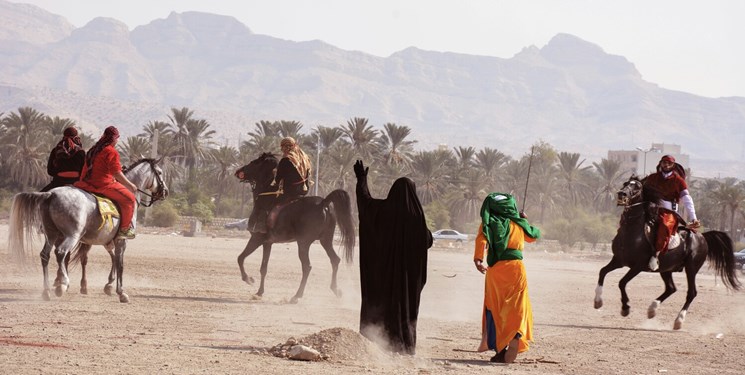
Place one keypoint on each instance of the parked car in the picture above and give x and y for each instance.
(241, 224)
(449, 234)
(740, 260)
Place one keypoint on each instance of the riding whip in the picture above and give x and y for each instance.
(527, 180)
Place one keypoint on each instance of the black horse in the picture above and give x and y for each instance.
(633, 245)
(303, 221)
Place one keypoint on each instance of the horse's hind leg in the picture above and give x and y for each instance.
(62, 252)
(303, 254)
(612, 265)
(83, 251)
(690, 295)
(44, 255)
(625, 308)
(667, 278)
(328, 245)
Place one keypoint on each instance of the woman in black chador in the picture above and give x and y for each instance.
(394, 240)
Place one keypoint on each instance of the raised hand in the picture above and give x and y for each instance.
(359, 169)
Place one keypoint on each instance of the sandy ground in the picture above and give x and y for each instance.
(190, 313)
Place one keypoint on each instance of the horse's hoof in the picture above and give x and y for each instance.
(60, 290)
(338, 293)
(45, 295)
(256, 297)
(651, 313)
(84, 291)
(293, 300)
(625, 312)
(678, 325)
(598, 303)
(108, 289)
(124, 298)
(249, 280)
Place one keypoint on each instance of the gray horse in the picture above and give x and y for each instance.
(69, 218)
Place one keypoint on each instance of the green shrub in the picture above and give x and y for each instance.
(163, 215)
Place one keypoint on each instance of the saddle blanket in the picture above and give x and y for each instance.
(108, 211)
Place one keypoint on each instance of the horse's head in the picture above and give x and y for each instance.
(148, 175)
(630, 193)
(259, 170)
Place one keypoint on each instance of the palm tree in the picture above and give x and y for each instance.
(193, 138)
(571, 172)
(362, 137)
(610, 175)
(134, 148)
(26, 157)
(429, 174)
(290, 129)
(265, 138)
(226, 159)
(392, 143)
(465, 157)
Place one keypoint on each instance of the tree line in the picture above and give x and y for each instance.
(571, 199)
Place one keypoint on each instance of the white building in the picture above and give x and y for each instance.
(643, 161)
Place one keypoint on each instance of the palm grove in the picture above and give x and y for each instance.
(572, 201)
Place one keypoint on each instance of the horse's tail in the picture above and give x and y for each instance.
(25, 216)
(343, 210)
(721, 254)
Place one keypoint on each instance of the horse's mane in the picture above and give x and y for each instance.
(268, 156)
(138, 162)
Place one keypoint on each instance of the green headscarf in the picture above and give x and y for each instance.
(497, 211)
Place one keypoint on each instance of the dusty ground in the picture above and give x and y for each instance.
(190, 313)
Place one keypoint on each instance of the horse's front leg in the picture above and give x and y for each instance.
(44, 255)
(120, 245)
(690, 295)
(625, 308)
(251, 246)
(667, 278)
(612, 265)
(266, 252)
(112, 272)
(83, 251)
(303, 254)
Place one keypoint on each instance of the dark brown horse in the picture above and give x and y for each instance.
(304, 221)
(633, 246)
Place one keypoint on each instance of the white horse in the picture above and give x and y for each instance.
(70, 217)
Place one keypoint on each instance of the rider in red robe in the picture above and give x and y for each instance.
(670, 182)
(102, 174)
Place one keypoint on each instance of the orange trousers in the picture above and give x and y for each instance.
(666, 227)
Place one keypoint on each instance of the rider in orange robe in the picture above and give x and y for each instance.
(102, 174)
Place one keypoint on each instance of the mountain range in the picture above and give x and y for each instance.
(569, 93)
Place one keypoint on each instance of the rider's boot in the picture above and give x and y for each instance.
(654, 262)
(127, 234)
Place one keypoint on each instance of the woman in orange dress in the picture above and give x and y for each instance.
(507, 318)
(102, 174)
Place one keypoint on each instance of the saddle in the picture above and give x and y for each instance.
(650, 228)
(107, 209)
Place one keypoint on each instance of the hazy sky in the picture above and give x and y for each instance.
(692, 46)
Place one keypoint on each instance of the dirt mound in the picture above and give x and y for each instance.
(335, 344)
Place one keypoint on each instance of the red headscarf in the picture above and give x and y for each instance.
(69, 144)
(110, 135)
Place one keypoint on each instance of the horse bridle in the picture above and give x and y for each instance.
(159, 194)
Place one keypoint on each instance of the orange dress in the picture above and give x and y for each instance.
(506, 299)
